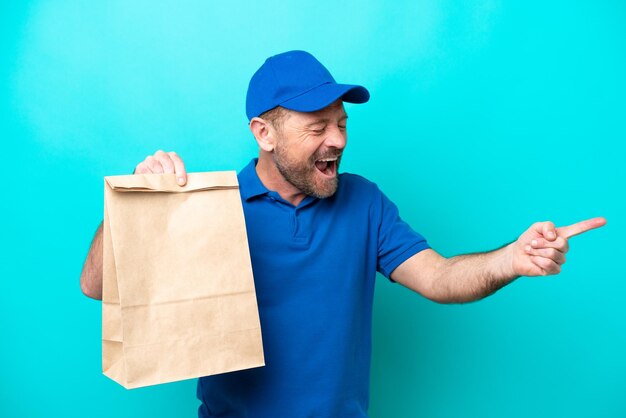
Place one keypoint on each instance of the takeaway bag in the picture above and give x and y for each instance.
(178, 297)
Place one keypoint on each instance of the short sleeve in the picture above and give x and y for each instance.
(397, 241)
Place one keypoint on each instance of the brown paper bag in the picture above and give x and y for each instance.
(178, 296)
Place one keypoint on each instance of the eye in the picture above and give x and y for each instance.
(342, 127)
(317, 131)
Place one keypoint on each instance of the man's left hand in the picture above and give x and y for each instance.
(540, 251)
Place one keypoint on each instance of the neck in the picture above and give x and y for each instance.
(273, 180)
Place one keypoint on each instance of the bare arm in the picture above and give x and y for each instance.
(464, 278)
(91, 276)
(539, 251)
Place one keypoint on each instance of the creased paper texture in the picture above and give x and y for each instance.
(178, 296)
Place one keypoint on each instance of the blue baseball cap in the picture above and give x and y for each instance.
(296, 80)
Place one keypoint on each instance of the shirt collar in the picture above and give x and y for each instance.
(250, 184)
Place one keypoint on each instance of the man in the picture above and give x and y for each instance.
(317, 239)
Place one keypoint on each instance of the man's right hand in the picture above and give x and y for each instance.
(159, 163)
(163, 163)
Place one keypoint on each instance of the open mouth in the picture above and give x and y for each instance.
(327, 166)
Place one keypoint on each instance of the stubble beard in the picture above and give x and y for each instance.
(302, 174)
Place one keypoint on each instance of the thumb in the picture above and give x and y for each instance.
(546, 229)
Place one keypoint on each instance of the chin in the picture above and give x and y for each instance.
(326, 190)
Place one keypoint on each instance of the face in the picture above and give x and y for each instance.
(309, 147)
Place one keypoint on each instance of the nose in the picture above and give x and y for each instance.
(336, 138)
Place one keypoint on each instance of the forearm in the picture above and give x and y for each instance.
(539, 251)
(470, 277)
(91, 276)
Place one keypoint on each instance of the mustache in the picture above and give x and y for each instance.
(327, 155)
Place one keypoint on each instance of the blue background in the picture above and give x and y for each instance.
(485, 117)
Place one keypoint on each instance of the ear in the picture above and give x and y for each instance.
(264, 134)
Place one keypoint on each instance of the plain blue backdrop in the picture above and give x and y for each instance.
(485, 117)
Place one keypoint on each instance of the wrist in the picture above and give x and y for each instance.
(504, 262)
(508, 263)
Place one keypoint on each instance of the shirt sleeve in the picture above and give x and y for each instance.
(397, 241)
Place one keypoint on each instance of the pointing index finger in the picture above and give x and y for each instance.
(580, 227)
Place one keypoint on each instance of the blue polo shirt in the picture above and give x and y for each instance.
(314, 269)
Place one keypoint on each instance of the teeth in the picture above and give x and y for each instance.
(328, 159)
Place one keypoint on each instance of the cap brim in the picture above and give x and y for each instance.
(322, 96)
